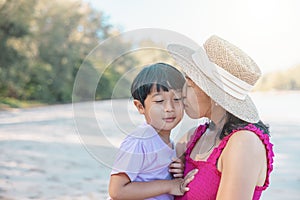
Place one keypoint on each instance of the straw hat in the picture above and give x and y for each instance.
(223, 72)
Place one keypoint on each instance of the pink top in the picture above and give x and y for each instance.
(206, 182)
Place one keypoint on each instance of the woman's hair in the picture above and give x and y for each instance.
(234, 123)
(161, 75)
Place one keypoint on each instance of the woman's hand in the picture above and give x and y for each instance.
(176, 168)
(180, 184)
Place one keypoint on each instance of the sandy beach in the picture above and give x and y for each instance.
(53, 152)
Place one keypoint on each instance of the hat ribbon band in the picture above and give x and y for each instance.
(223, 79)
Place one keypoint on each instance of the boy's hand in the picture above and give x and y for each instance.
(180, 184)
(176, 168)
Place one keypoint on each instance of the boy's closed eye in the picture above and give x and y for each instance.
(158, 101)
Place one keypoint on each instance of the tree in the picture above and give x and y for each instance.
(43, 44)
(15, 17)
(64, 40)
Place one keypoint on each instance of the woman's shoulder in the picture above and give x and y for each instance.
(187, 136)
(247, 142)
(245, 135)
(249, 134)
(241, 149)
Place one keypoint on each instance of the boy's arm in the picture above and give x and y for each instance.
(121, 188)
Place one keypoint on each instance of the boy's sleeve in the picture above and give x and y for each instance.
(130, 158)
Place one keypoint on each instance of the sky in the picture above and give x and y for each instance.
(267, 30)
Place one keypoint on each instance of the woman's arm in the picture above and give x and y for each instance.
(241, 163)
(121, 188)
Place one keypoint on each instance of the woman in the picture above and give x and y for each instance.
(232, 151)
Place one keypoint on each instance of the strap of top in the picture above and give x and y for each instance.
(195, 137)
(264, 138)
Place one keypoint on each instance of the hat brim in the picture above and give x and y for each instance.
(243, 109)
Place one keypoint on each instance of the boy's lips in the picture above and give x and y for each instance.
(169, 119)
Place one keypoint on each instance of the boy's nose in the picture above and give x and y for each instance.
(169, 106)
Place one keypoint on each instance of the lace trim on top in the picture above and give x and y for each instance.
(195, 137)
(264, 138)
(218, 150)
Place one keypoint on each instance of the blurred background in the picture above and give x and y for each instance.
(44, 43)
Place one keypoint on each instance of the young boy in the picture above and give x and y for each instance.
(141, 169)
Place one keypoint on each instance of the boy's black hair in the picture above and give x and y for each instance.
(161, 75)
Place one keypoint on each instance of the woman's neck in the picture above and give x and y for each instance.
(218, 117)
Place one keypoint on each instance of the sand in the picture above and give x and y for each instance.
(45, 154)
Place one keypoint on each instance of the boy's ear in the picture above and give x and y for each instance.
(139, 106)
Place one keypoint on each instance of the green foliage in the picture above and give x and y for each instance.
(15, 103)
(14, 23)
(42, 46)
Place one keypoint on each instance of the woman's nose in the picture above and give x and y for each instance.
(184, 100)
